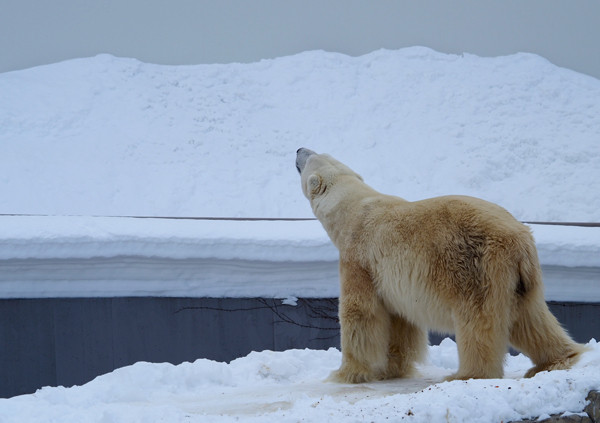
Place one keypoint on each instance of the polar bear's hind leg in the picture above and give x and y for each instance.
(408, 345)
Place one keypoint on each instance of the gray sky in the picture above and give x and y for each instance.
(34, 32)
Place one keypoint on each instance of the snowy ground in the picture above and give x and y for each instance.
(289, 387)
(114, 136)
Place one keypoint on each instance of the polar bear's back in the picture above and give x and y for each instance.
(448, 251)
(445, 218)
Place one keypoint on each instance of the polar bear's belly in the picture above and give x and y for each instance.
(408, 296)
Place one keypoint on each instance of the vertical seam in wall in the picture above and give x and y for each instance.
(112, 332)
(275, 322)
(54, 337)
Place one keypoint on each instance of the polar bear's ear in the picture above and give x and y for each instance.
(314, 184)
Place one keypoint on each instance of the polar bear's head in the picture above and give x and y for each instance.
(320, 172)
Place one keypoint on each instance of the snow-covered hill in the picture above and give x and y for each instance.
(114, 136)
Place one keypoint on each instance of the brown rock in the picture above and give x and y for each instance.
(593, 408)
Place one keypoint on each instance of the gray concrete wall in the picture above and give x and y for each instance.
(34, 32)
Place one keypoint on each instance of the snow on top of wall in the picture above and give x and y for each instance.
(62, 237)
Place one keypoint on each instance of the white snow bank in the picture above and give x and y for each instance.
(114, 136)
(89, 237)
(44, 257)
(56, 237)
(567, 245)
(288, 387)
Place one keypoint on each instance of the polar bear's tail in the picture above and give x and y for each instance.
(535, 330)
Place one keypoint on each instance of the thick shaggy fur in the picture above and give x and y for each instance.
(452, 264)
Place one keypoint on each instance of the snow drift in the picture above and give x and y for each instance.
(114, 136)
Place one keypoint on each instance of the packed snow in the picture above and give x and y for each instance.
(108, 136)
(62, 256)
(115, 136)
(55, 237)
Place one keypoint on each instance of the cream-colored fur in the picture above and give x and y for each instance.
(452, 264)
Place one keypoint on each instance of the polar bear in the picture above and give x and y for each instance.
(452, 264)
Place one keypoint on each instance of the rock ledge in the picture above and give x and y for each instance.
(590, 414)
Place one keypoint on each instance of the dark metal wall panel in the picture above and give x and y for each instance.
(69, 341)
(83, 334)
(581, 320)
(312, 323)
(177, 330)
(58, 341)
(27, 346)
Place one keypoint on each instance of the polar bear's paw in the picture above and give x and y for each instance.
(354, 374)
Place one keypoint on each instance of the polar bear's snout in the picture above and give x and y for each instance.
(301, 156)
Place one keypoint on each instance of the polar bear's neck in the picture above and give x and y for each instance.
(340, 208)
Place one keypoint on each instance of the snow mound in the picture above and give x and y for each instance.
(114, 136)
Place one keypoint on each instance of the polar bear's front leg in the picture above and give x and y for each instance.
(365, 328)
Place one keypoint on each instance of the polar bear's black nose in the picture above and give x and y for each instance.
(301, 155)
(305, 151)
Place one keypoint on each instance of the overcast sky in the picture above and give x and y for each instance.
(34, 32)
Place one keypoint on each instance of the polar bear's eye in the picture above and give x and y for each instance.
(299, 171)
